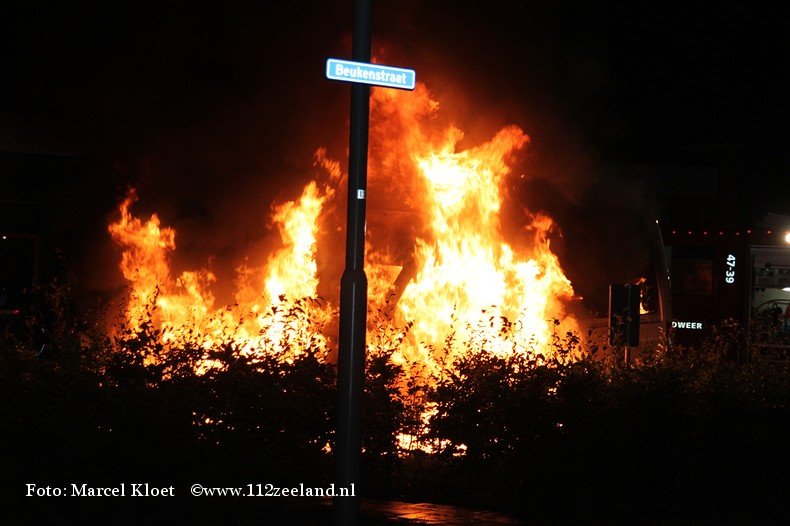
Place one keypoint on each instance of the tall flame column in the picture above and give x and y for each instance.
(353, 290)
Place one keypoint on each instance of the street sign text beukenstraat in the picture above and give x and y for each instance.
(373, 74)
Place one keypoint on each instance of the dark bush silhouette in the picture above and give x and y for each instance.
(681, 434)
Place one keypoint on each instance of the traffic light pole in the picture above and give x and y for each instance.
(353, 292)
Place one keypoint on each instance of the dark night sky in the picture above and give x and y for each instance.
(151, 79)
(118, 77)
(206, 109)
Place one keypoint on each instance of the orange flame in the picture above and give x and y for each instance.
(461, 287)
(642, 296)
(276, 310)
(145, 263)
(469, 282)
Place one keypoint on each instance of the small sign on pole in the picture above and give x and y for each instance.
(367, 73)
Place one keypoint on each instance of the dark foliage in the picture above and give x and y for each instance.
(689, 434)
(682, 434)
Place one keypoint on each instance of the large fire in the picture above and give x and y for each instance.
(454, 284)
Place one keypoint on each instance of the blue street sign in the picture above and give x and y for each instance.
(365, 73)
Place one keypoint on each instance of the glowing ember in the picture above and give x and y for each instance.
(464, 286)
